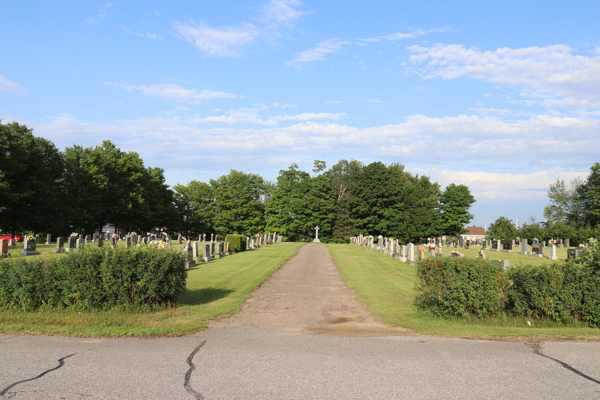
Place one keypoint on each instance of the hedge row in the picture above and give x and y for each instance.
(93, 278)
(561, 292)
(237, 242)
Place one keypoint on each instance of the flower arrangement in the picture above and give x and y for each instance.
(114, 235)
(431, 246)
(421, 249)
(74, 234)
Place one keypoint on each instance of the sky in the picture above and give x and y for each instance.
(503, 97)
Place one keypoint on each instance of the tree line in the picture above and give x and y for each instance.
(82, 189)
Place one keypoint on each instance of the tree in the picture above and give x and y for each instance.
(502, 228)
(560, 198)
(344, 175)
(238, 203)
(195, 204)
(589, 195)
(456, 201)
(31, 170)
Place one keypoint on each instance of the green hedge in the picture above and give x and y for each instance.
(561, 292)
(237, 243)
(93, 278)
(457, 287)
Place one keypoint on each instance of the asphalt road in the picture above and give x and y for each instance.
(275, 349)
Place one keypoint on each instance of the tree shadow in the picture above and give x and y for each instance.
(203, 296)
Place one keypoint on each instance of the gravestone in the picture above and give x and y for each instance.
(71, 244)
(81, 237)
(494, 245)
(420, 255)
(537, 249)
(440, 251)
(88, 239)
(507, 246)
(188, 252)
(316, 239)
(48, 239)
(572, 253)
(204, 237)
(113, 242)
(431, 253)
(29, 247)
(94, 237)
(456, 254)
(467, 244)
(80, 244)
(567, 243)
(207, 253)
(212, 237)
(196, 251)
(227, 248)
(100, 242)
(552, 252)
(3, 248)
(484, 245)
(128, 242)
(59, 245)
(524, 247)
(481, 255)
(179, 238)
(503, 263)
(461, 242)
(410, 257)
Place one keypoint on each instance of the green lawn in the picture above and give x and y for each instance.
(214, 289)
(386, 286)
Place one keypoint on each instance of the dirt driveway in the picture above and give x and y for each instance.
(308, 294)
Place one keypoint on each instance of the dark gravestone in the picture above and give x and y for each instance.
(507, 246)
(537, 249)
(494, 245)
(572, 254)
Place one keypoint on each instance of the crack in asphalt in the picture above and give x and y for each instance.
(537, 350)
(61, 362)
(188, 374)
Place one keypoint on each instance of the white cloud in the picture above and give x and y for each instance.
(282, 12)
(553, 75)
(277, 18)
(173, 91)
(217, 42)
(152, 36)
(9, 86)
(252, 116)
(102, 13)
(408, 35)
(502, 186)
(490, 110)
(283, 105)
(319, 52)
(309, 116)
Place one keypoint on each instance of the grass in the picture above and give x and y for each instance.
(214, 289)
(386, 286)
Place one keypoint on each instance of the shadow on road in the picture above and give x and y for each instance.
(203, 296)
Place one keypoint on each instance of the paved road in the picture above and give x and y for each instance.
(304, 336)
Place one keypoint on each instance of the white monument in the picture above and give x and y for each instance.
(316, 235)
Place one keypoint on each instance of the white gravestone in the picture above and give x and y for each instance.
(316, 240)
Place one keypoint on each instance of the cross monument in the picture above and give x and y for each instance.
(316, 235)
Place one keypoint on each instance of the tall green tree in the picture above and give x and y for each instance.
(238, 205)
(502, 228)
(560, 200)
(589, 196)
(456, 201)
(344, 175)
(195, 203)
(31, 170)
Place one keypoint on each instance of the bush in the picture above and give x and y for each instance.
(560, 292)
(93, 278)
(237, 242)
(458, 287)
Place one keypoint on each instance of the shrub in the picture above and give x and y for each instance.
(458, 287)
(93, 278)
(237, 242)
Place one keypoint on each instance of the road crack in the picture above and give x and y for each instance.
(537, 349)
(61, 362)
(188, 374)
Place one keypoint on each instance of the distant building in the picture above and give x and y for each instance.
(475, 233)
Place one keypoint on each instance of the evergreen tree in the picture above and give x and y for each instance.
(456, 201)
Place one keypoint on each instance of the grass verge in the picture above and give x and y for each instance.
(214, 289)
(386, 286)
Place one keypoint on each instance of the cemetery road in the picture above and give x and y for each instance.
(303, 335)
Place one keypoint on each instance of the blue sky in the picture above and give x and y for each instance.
(501, 96)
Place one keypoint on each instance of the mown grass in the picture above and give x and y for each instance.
(386, 287)
(214, 289)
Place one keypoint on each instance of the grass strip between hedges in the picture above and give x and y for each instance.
(214, 289)
(386, 286)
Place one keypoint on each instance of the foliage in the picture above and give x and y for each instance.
(589, 195)
(502, 228)
(560, 198)
(237, 203)
(93, 278)
(195, 205)
(237, 243)
(459, 287)
(456, 201)
(31, 169)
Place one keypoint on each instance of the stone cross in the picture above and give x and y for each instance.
(317, 235)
